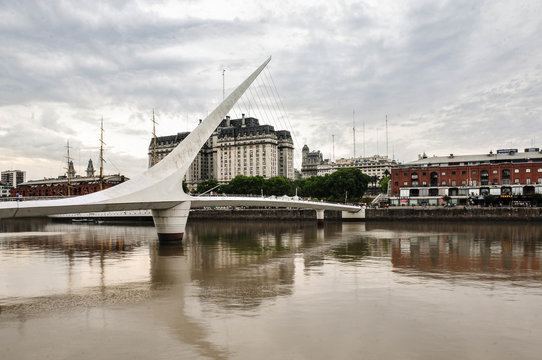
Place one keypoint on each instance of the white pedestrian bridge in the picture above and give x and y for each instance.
(159, 188)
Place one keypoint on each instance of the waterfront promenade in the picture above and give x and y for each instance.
(413, 213)
(456, 213)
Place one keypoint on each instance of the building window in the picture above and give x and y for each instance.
(434, 179)
(405, 183)
(516, 181)
(527, 181)
(473, 172)
(495, 172)
(463, 182)
(463, 172)
(527, 170)
(453, 172)
(516, 171)
(484, 177)
(443, 173)
(443, 182)
(540, 180)
(505, 176)
(540, 170)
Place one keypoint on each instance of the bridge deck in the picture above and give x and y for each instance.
(204, 201)
(52, 207)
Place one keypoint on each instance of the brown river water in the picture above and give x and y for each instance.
(271, 290)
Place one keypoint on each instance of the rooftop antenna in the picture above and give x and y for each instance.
(354, 130)
(363, 137)
(102, 155)
(68, 168)
(223, 84)
(377, 149)
(386, 135)
(154, 139)
(333, 154)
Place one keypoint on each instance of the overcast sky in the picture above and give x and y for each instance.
(456, 76)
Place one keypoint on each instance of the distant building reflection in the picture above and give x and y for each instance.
(241, 266)
(68, 238)
(484, 249)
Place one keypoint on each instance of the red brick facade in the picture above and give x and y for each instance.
(474, 176)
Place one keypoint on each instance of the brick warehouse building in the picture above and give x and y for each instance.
(506, 175)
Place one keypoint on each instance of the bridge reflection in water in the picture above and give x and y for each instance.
(238, 288)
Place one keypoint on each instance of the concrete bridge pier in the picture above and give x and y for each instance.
(320, 217)
(354, 216)
(171, 223)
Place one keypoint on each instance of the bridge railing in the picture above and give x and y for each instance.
(30, 198)
(256, 196)
(281, 197)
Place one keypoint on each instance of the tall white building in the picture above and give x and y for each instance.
(13, 178)
(237, 147)
(4, 189)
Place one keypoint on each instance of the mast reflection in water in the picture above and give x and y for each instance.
(245, 290)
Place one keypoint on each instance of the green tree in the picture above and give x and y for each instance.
(335, 186)
(242, 184)
(373, 180)
(384, 184)
(343, 181)
(278, 186)
(312, 187)
(207, 185)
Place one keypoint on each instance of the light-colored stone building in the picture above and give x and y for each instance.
(313, 164)
(237, 147)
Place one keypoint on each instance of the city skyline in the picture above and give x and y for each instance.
(451, 76)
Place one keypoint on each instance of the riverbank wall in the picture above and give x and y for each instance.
(380, 214)
(259, 214)
(454, 214)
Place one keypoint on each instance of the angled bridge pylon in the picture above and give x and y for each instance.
(159, 188)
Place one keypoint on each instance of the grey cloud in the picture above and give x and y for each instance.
(453, 76)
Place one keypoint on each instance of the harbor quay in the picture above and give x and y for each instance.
(419, 213)
(414, 213)
(456, 213)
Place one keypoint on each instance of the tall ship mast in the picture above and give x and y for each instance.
(154, 137)
(68, 170)
(102, 155)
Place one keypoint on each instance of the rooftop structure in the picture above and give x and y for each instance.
(500, 156)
